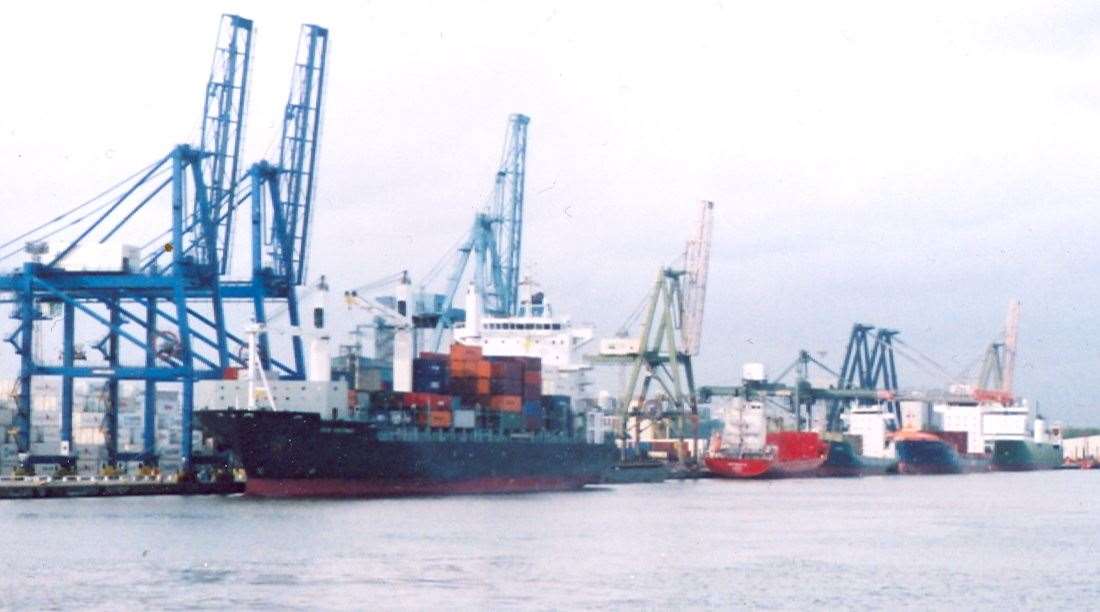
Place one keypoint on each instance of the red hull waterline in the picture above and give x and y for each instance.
(336, 487)
(797, 454)
(762, 468)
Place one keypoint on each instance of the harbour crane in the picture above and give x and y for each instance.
(494, 241)
(106, 285)
(995, 381)
(669, 336)
(868, 365)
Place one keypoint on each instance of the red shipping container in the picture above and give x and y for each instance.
(506, 403)
(424, 401)
(507, 370)
(532, 377)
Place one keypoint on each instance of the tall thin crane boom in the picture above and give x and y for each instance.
(222, 123)
(298, 153)
(509, 210)
(1012, 328)
(696, 264)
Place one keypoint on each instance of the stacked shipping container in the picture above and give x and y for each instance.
(463, 389)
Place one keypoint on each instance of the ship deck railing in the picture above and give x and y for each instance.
(415, 434)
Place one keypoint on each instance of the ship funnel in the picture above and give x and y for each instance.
(403, 289)
(473, 312)
(320, 362)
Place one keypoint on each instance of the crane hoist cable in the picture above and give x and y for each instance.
(80, 206)
(243, 185)
(441, 264)
(378, 283)
(635, 314)
(73, 223)
(942, 370)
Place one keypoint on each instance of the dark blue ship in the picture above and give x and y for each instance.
(289, 454)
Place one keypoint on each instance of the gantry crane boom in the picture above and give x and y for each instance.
(694, 285)
(298, 153)
(223, 122)
(509, 190)
(1012, 329)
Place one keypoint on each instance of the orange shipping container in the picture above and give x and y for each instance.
(435, 418)
(461, 352)
(506, 403)
(463, 368)
(484, 369)
(484, 387)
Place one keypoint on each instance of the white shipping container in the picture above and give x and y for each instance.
(465, 419)
(45, 448)
(88, 436)
(87, 419)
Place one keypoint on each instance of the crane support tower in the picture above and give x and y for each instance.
(868, 364)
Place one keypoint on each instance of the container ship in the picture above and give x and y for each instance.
(745, 448)
(472, 424)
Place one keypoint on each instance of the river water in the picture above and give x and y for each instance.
(979, 541)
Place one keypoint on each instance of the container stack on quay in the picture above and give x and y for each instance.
(89, 424)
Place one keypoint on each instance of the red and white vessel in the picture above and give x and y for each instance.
(746, 449)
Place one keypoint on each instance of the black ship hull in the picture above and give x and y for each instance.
(293, 454)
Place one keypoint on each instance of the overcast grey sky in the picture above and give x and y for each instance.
(910, 165)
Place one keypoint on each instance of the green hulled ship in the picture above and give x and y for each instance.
(1025, 455)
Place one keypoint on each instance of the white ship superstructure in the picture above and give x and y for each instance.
(536, 331)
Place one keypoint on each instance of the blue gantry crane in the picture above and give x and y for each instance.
(494, 242)
(868, 365)
(176, 284)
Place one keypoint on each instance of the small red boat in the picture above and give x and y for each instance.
(786, 453)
